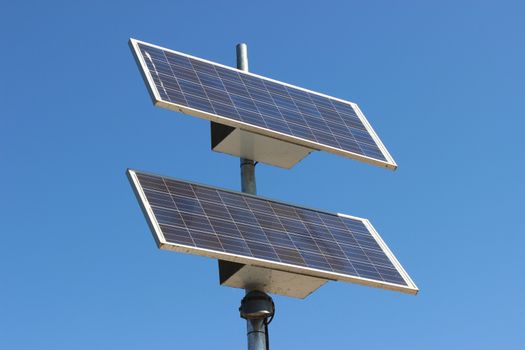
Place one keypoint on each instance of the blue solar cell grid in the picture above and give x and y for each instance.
(259, 102)
(207, 218)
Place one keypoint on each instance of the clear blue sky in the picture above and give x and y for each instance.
(442, 82)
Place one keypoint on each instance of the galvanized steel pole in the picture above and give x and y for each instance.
(255, 328)
(247, 165)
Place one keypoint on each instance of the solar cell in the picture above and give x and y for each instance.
(244, 100)
(242, 228)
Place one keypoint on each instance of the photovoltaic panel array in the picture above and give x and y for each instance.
(238, 227)
(240, 99)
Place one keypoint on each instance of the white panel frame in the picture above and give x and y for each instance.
(159, 102)
(162, 243)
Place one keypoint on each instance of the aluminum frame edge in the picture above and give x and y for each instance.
(146, 209)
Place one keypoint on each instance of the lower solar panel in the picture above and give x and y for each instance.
(238, 227)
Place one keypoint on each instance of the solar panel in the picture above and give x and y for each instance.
(243, 228)
(244, 100)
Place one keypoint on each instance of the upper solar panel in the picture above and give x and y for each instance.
(257, 104)
(247, 229)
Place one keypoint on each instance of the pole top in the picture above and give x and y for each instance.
(242, 56)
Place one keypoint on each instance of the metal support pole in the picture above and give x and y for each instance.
(255, 328)
(248, 184)
(256, 334)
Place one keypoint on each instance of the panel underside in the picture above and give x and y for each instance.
(267, 280)
(264, 149)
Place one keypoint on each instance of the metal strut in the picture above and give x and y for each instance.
(248, 184)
